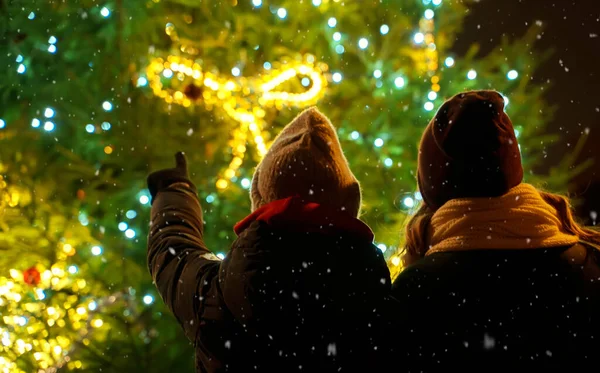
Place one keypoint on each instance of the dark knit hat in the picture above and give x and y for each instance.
(469, 149)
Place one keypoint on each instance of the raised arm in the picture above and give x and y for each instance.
(183, 269)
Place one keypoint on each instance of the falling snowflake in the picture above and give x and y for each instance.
(488, 342)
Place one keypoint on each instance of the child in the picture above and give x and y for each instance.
(303, 286)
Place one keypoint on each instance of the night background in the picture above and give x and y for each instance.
(94, 95)
(572, 32)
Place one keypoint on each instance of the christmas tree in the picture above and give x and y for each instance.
(96, 95)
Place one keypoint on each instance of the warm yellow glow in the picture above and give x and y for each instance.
(396, 260)
(108, 149)
(97, 323)
(222, 184)
(241, 98)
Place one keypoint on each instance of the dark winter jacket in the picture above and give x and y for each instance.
(501, 310)
(300, 289)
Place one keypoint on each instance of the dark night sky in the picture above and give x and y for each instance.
(572, 30)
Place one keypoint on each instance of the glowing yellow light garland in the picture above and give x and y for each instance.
(242, 98)
(45, 310)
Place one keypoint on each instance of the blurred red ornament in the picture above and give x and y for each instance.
(193, 92)
(32, 276)
(80, 194)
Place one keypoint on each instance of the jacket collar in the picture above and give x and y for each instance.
(297, 215)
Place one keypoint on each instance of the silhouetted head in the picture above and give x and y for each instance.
(469, 149)
(306, 160)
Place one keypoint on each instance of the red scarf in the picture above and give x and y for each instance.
(296, 215)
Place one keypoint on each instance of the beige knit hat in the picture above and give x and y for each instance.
(306, 160)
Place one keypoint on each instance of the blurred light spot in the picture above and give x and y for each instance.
(384, 29)
(399, 82)
(96, 250)
(363, 43)
(148, 299)
(49, 126)
(378, 142)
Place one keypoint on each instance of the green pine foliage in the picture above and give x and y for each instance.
(72, 56)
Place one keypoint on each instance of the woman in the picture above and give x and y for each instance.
(500, 276)
(302, 287)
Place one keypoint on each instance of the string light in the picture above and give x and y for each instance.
(245, 183)
(221, 256)
(130, 233)
(449, 61)
(243, 99)
(144, 200)
(388, 162)
(52, 40)
(89, 128)
(2, 123)
(105, 126)
(331, 22)
(235, 71)
(19, 59)
(107, 106)
(399, 82)
(396, 260)
(142, 81)
(122, 226)
(428, 106)
(148, 299)
(96, 250)
(257, 3)
(429, 14)
(382, 247)
(437, 2)
(354, 135)
(35, 123)
(337, 36)
(105, 12)
(419, 37)
(472, 74)
(316, 2)
(281, 13)
(378, 142)
(432, 95)
(377, 74)
(131, 214)
(506, 101)
(337, 77)
(21, 69)
(339, 49)
(418, 196)
(40, 329)
(384, 29)
(512, 74)
(363, 43)
(52, 48)
(49, 112)
(31, 15)
(49, 126)
(409, 202)
(210, 198)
